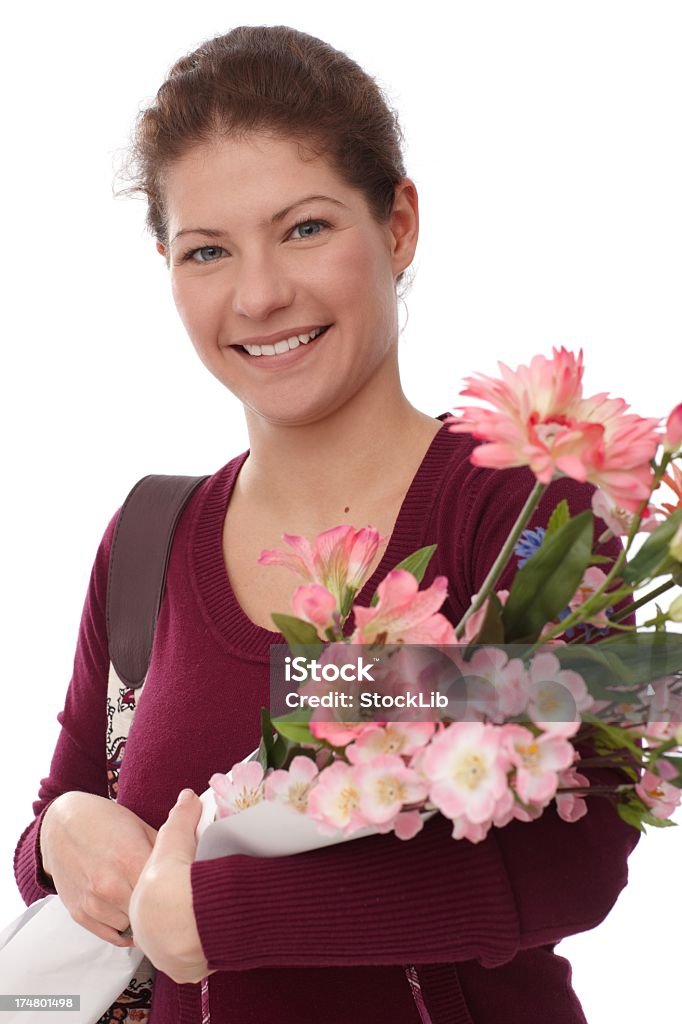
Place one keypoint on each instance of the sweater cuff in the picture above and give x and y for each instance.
(32, 881)
(377, 900)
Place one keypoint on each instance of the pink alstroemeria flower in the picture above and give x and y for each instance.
(538, 761)
(339, 559)
(404, 614)
(661, 797)
(673, 479)
(619, 520)
(540, 420)
(244, 789)
(315, 604)
(673, 430)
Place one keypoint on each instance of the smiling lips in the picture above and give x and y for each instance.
(284, 345)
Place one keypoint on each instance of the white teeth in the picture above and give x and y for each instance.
(282, 346)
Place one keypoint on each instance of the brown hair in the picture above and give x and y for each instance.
(275, 79)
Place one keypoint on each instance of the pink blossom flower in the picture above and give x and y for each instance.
(665, 769)
(407, 824)
(673, 430)
(386, 784)
(315, 604)
(540, 420)
(619, 520)
(661, 797)
(292, 787)
(243, 790)
(570, 806)
(538, 761)
(334, 803)
(339, 559)
(466, 768)
(464, 828)
(400, 738)
(557, 695)
(404, 614)
(507, 677)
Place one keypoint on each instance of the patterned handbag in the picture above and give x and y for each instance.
(137, 574)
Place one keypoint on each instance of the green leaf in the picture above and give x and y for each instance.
(636, 813)
(559, 517)
(548, 580)
(416, 563)
(492, 630)
(296, 631)
(653, 554)
(298, 732)
(267, 743)
(617, 736)
(645, 656)
(630, 815)
(283, 751)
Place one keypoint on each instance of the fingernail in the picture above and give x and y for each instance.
(185, 795)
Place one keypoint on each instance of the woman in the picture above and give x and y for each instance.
(278, 198)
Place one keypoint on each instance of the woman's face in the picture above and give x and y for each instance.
(252, 256)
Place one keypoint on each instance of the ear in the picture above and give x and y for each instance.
(161, 248)
(404, 225)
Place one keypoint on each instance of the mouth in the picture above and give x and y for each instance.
(267, 356)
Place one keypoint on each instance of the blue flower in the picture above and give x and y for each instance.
(528, 543)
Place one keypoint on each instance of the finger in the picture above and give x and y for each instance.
(176, 836)
(103, 931)
(110, 916)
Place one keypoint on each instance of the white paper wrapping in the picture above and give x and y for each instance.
(44, 952)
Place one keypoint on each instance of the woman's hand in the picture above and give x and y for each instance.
(161, 911)
(94, 850)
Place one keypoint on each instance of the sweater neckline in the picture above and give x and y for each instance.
(208, 567)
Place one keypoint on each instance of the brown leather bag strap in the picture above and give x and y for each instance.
(137, 569)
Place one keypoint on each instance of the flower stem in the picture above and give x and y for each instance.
(503, 557)
(624, 612)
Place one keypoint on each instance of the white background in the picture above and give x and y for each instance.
(544, 139)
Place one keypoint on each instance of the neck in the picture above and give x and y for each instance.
(363, 452)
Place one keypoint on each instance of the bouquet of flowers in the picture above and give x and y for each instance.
(483, 721)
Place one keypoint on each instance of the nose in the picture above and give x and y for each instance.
(261, 286)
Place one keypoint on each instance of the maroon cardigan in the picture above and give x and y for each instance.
(378, 929)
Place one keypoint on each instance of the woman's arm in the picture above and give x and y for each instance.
(93, 848)
(79, 758)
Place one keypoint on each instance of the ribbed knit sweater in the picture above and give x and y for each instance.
(377, 929)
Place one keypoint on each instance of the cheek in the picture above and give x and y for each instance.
(358, 280)
(196, 309)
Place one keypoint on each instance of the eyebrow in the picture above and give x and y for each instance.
(275, 219)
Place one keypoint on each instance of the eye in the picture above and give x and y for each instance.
(190, 254)
(310, 223)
